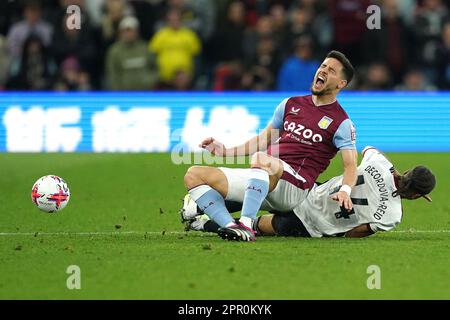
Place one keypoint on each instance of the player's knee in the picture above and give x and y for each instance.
(264, 161)
(192, 178)
(260, 160)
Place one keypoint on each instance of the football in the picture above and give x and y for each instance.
(50, 193)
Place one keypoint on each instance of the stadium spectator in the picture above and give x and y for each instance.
(94, 9)
(72, 77)
(377, 77)
(263, 29)
(86, 44)
(228, 76)
(186, 11)
(407, 11)
(148, 13)
(300, 24)
(197, 15)
(4, 63)
(31, 24)
(175, 47)
(443, 59)
(297, 72)
(393, 43)
(256, 35)
(203, 22)
(312, 18)
(78, 43)
(280, 28)
(267, 57)
(429, 23)
(222, 7)
(414, 80)
(349, 26)
(129, 65)
(227, 43)
(254, 9)
(115, 11)
(36, 69)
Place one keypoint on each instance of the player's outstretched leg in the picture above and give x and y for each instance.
(207, 187)
(259, 186)
(190, 210)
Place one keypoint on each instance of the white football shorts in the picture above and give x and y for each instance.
(284, 198)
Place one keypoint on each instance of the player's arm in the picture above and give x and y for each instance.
(344, 139)
(350, 162)
(255, 144)
(361, 231)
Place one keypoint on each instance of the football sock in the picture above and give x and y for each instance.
(256, 192)
(212, 204)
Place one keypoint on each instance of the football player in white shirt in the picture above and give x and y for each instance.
(376, 201)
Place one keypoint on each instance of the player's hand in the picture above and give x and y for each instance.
(344, 200)
(215, 147)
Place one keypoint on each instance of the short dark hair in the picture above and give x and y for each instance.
(347, 68)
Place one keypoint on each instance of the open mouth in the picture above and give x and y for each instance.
(320, 82)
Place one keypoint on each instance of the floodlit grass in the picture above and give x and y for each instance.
(122, 229)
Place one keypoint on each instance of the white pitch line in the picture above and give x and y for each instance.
(110, 233)
(113, 233)
(422, 231)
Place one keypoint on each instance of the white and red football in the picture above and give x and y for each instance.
(50, 194)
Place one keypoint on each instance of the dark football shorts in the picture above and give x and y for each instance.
(289, 225)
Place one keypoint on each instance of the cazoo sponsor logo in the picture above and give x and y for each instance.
(302, 131)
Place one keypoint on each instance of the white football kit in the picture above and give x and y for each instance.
(373, 200)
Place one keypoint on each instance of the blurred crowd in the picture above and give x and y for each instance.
(220, 45)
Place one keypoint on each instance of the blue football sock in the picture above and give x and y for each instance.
(212, 204)
(256, 192)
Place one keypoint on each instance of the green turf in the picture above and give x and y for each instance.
(133, 199)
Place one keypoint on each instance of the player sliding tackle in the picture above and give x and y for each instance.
(376, 199)
(311, 130)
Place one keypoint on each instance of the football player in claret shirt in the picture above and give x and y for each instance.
(305, 133)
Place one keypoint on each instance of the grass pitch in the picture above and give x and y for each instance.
(122, 229)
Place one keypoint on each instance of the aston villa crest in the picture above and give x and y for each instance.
(325, 122)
